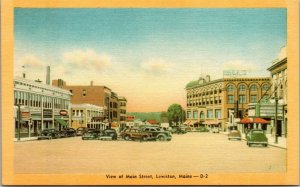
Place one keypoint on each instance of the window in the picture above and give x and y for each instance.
(202, 116)
(189, 115)
(242, 88)
(84, 93)
(242, 99)
(230, 88)
(218, 113)
(265, 87)
(253, 99)
(253, 88)
(230, 99)
(209, 114)
(195, 114)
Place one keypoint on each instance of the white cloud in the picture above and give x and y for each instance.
(156, 65)
(239, 65)
(31, 62)
(87, 59)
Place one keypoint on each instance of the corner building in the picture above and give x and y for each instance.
(209, 103)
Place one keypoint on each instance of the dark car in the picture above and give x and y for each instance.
(91, 134)
(179, 130)
(135, 133)
(158, 133)
(49, 134)
(80, 131)
(68, 132)
(234, 134)
(112, 133)
(256, 136)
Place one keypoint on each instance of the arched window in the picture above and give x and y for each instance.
(253, 88)
(265, 87)
(230, 88)
(242, 88)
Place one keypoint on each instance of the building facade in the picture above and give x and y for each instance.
(210, 103)
(123, 112)
(278, 71)
(41, 107)
(96, 95)
(87, 115)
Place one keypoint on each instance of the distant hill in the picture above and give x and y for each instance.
(145, 115)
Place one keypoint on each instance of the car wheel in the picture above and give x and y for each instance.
(144, 138)
(249, 144)
(161, 138)
(127, 137)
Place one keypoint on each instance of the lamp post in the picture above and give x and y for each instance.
(275, 120)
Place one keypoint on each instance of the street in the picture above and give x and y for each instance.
(187, 153)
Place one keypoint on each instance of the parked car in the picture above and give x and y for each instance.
(135, 133)
(178, 130)
(109, 133)
(68, 132)
(158, 133)
(215, 130)
(49, 134)
(80, 131)
(256, 136)
(91, 134)
(234, 134)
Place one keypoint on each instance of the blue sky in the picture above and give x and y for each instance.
(144, 52)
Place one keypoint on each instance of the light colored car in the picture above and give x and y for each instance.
(234, 134)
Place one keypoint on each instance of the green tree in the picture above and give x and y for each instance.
(175, 113)
(164, 117)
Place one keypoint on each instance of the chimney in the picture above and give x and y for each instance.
(207, 78)
(92, 83)
(48, 75)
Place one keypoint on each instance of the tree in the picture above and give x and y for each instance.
(164, 117)
(175, 113)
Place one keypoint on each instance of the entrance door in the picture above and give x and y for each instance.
(279, 128)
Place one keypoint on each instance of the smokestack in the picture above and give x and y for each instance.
(92, 83)
(48, 75)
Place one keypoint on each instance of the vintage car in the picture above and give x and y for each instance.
(158, 133)
(68, 132)
(91, 134)
(178, 130)
(135, 133)
(108, 134)
(49, 134)
(256, 136)
(234, 134)
(80, 131)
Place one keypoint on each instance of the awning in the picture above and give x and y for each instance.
(212, 122)
(253, 120)
(187, 122)
(61, 121)
(114, 124)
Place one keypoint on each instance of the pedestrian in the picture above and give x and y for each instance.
(246, 130)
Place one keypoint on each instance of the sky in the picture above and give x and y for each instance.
(146, 55)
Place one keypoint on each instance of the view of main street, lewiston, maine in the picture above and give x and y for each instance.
(150, 93)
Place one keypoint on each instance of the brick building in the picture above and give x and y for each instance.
(96, 95)
(211, 102)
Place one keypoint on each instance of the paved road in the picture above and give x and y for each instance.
(191, 152)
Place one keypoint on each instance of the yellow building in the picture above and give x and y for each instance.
(211, 102)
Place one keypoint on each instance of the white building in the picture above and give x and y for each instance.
(41, 107)
(87, 115)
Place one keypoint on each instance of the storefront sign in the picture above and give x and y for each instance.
(63, 112)
(25, 115)
(47, 113)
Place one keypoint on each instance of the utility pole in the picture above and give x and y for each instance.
(275, 120)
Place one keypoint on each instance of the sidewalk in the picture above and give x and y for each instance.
(281, 140)
(25, 139)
